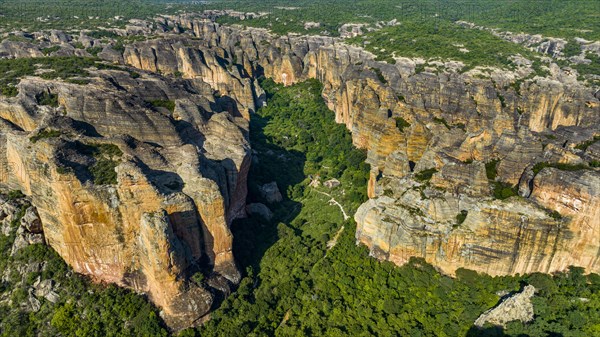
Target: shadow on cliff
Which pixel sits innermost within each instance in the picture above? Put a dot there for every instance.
(254, 235)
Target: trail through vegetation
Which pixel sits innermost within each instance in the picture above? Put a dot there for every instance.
(333, 201)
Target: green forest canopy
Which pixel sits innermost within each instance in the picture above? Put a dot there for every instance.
(548, 17)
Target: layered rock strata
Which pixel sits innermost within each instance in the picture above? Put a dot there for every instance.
(448, 150)
(136, 180)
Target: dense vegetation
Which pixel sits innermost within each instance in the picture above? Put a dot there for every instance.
(561, 166)
(104, 158)
(295, 120)
(591, 68)
(583, 146)
(442, 40)
(47, 98)
(500, 190)
(45, 134)
(169, 105)
(13, 70)
(40, 14)
(296, 286)
(401, 124)
(546, 17)
(82, 309)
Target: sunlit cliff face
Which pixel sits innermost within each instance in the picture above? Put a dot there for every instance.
(180, 181)
(181, 174)
(456, 125)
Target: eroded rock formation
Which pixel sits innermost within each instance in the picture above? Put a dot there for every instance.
(447, 150)
(128, 190)
(515, 307)
(444, 148)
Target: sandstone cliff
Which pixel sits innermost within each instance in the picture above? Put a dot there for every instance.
(136, 180)
(479, 140)
(130, 190)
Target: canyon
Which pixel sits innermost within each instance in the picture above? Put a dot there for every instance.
(442, 145)
(457, 124)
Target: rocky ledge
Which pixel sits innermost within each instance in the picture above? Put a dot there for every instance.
(136, 179)
(497, 174)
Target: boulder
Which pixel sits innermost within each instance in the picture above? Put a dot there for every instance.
(32, 304)
(332, 183)
(21, 241)
(515, 308)
(270, 192)
(31, 221)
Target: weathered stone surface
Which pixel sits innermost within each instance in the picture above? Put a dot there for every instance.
(413, 221)
(16, 49)
(332, 183)
(180, 181)
(193, 61)
(31, 221)
(28, 231)
(32, 304)
(45, 289)
(260, 209)
(517, 307)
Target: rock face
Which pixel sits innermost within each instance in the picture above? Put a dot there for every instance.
(261, 210)
(136, 180)
(271, 192)
(516, 307)
(27, 231)
(191, 60)
(457, 124)
(16, 49)
(21, 225)
(446, 150)
(128, 191)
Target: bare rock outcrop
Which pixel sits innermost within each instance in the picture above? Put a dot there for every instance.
(447, 150)
(261, 210)
(517, 307)
(270, 192)
(128, 191)
(191, 60)
(19, 218)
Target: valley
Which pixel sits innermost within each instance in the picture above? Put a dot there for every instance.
(187, 173)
